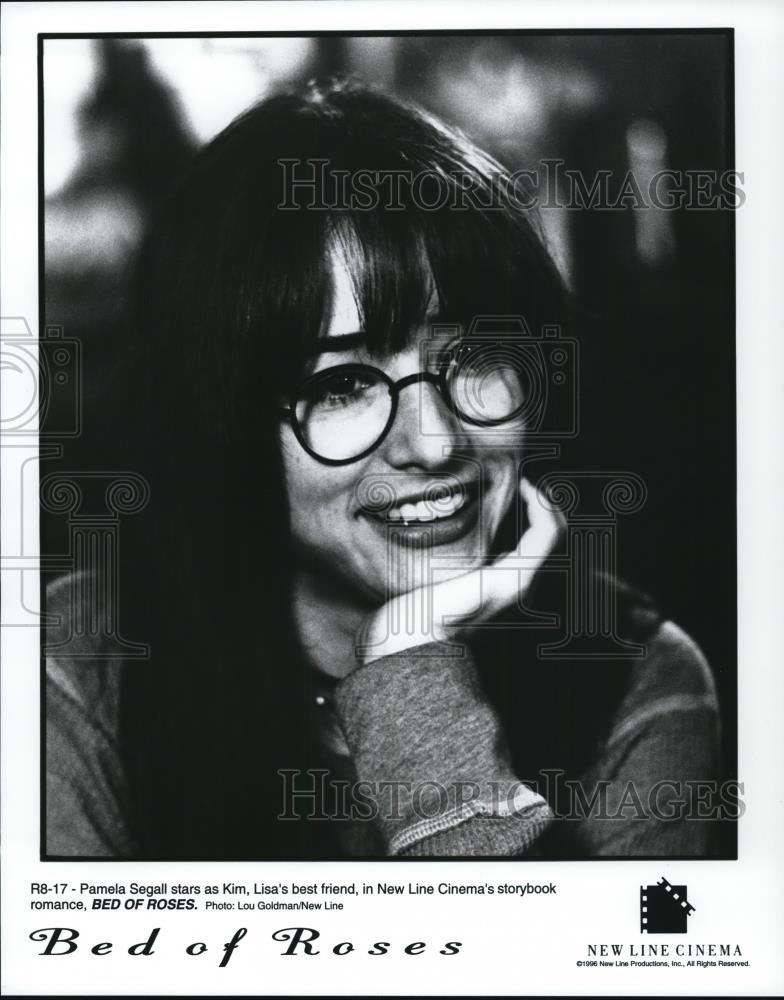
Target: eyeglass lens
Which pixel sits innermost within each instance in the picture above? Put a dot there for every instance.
(343, 412)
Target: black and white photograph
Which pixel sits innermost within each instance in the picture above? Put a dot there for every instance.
(390, 546)
(405, 518)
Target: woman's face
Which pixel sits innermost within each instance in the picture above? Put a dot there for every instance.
(340, 530)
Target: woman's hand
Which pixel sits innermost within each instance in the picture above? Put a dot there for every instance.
(433, 613)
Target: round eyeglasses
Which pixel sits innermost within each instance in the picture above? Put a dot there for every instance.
(341, 414)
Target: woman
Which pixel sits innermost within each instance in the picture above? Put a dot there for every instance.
(334, 443)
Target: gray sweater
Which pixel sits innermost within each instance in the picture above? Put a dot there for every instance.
(426, 744)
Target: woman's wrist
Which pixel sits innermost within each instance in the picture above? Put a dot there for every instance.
(429, 751)
(385, 634)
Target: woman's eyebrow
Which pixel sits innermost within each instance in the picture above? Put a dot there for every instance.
(349, 341)
(340, 342)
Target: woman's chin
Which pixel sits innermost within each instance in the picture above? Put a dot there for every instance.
(419, 563)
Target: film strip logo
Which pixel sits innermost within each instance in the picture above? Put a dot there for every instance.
(664, 908)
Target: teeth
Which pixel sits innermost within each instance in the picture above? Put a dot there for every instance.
(410, 511)
(424, 511)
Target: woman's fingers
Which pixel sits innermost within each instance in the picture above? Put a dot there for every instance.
(542, 516)
(546, 523)
(511, 574)
(483, 592)
(431, 612)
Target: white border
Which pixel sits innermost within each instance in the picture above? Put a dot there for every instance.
(512, 949)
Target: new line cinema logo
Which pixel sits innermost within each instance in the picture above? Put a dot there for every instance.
(664, 908)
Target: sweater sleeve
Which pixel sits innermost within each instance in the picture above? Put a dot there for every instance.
(87, 810)
(652, 788)
(86, 798)
(429, 748)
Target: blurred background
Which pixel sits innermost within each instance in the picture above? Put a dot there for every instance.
(655, 289)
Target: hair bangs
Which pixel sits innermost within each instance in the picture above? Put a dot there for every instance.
(477, 254)
(386, 257)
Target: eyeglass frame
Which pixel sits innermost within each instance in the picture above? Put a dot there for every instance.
(441, 380)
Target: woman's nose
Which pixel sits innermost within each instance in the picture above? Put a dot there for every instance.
(423, 432)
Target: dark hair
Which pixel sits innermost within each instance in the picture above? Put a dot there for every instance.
(232, 291)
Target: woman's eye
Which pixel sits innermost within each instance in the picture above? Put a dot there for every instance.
(340, 390)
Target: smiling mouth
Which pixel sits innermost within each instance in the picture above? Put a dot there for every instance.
(428, 509)
(441, 517)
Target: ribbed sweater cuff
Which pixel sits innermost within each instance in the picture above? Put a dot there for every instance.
(429, 746)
